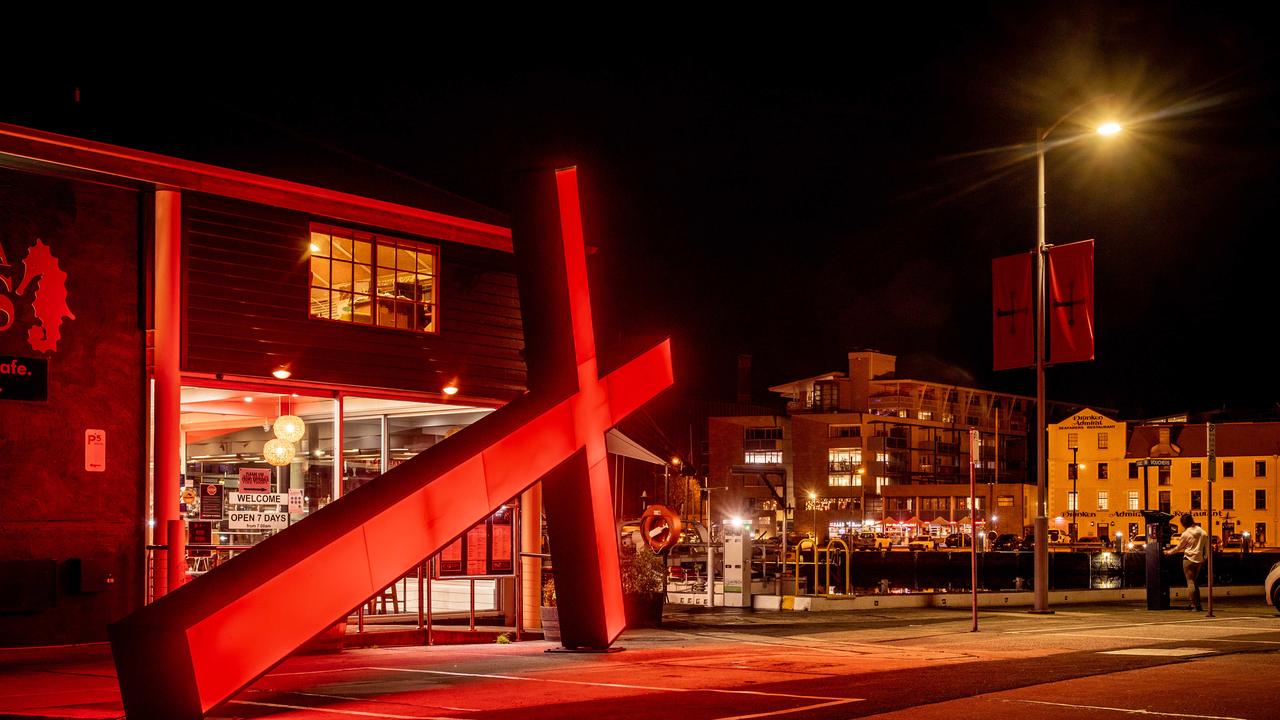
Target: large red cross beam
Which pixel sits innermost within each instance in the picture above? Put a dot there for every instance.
(198, 646)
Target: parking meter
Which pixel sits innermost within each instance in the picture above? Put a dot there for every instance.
(1157, 537)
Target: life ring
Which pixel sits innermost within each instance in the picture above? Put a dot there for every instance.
(660, 527)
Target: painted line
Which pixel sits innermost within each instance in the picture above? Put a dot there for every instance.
(1160, 652)
(1165, 639)
(621, 686)
(318, 672)
(365, 699)
(1129, 711)
(358, 713)
(1125, 625)
(789, 710)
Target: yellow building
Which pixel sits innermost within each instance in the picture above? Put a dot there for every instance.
(1110, 491)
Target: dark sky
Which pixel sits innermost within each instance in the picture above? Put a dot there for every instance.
(795, 188)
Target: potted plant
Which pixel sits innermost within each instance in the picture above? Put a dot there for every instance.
(643, 592)
(549, 614)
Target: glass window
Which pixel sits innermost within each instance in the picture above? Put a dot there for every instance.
(1166, 500)
(1195, 469)
(1228, 500)
(1260, 499)
(1133, 471)
(1071, 501)
(762, 457)
(843, 465)
(844, 431)
(1260, 468)
(1195, 499)
(369, 279)
(1102, 471)
(1102, 500)
(1004, 501)
(1102, 441)
(1228, 469)
(1073, 440)
(1134, 500)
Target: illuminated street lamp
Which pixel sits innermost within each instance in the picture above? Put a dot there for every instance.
(1042, 456)
(813, 498)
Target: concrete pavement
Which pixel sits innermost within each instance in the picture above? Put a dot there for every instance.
(1087, 661)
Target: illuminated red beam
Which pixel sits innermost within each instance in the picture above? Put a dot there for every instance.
(198, 646)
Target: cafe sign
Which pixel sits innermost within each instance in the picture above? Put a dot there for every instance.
(24, 378)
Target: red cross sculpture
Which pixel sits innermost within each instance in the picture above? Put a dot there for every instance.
(196, 647)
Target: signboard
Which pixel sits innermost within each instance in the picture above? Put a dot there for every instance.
(188, 496)
(264, 498)
(199, 532)
(487, 549)
(95, 450)
(297, 502)
(24, 378)
(210, 501)
(255, 520)
(1087, 420)
(1154, 462)
(255, 480)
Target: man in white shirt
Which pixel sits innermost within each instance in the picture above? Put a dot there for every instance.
(1194, 547)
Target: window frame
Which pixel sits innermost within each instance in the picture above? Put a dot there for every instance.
(376, 241)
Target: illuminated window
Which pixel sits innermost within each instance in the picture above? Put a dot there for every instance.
(1133, 501)
(1073, 440)
(1102, 441)
(1103, 501)
(763, 457)
(1004, 501)
(369, 279)
(842, 467)
(1071, 501)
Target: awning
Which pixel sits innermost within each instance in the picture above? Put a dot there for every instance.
(620, 444)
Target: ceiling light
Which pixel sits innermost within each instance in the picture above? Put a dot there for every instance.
(282, 372)
(450, 389)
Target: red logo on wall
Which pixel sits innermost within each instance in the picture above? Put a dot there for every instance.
(46, 282)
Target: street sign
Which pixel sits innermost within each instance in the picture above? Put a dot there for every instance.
(95, 450)
(1154, 462)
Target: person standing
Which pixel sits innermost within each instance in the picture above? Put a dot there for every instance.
(1194, 547)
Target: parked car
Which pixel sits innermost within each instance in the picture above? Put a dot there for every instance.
(1271, 586)
(1008, 541)
(874, 541)
(1234, 540)
(1137, 543)
(922, 542)
(958, 540)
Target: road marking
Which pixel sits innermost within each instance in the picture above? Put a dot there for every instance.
(1129, 711)
(318, 672)
(622, 686)
(1159, 652)
(788, 710)
(359, 713)
(1143, 624)
(1165, 639)
(365, 699)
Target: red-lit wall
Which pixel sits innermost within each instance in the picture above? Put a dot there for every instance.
(55, 517)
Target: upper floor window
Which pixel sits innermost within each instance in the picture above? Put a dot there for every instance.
(1103, 441)
(369, 279)
(1259, 468)
(844, 431)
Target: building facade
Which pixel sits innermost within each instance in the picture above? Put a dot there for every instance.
(170, 329)
(1111, 483)
(866, 448)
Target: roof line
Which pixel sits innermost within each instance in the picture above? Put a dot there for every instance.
(163, 172)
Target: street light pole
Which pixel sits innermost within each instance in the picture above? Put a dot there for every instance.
(1075, 496)
(1041, 526)
(1042, 451)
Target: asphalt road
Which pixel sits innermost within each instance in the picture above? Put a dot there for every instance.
(1087, 661)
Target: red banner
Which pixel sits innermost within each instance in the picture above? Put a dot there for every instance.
(1012, 329)
(1071, 302)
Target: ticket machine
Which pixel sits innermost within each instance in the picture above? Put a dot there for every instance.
(737, 564)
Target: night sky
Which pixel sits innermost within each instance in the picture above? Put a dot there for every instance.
(795, 188)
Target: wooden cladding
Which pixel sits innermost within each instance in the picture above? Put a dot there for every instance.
(246, 311)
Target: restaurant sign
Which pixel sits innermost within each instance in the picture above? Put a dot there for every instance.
(24, 378)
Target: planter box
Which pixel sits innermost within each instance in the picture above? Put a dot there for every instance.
(644, 610)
